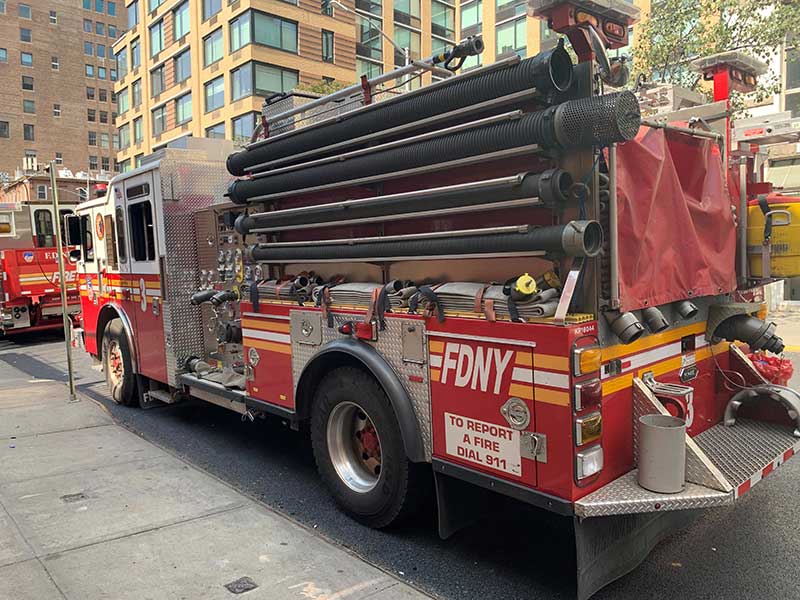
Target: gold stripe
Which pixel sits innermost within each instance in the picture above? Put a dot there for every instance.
(552, 397)
(652, 341)
(435, 374)
(271, 346)
(522, 391)
(265, 325)
(436, 346)
(549, 361)
(523, 358)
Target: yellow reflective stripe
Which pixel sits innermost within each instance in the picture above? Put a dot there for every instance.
(651, 341)
(552, 397)
(551, 362)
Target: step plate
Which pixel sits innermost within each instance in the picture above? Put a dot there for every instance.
(748, 451)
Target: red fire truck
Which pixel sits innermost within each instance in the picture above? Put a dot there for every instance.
(30, 297)
(487, 282)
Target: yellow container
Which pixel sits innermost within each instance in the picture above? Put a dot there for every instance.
(785, 253)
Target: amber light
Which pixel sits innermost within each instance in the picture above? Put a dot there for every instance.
(587, 360)
(583, 17)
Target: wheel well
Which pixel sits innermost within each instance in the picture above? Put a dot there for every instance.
(107, 314)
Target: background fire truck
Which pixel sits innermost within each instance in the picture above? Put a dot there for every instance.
(30, 290)
(481, 285)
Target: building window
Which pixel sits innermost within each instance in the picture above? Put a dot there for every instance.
(105, 164)
(24, 11)
(2, 7)
(405, 38)
(28, 133)
(243, 127)
(26, 58)
(407, 12)
(56, 110)
(28, 106)
(102, 94)
(41, 192)
(59, 158)
(92, 139)
(182, 66)
(133, 14)
(25, 35)
(136, 93)
(87, 26)
(123, 101)
(275, 32)
(104, 116)
(115, 141)
(157, 80)
(88, 48)
(183, 109)
(53, 17)
(370, 69)
(101, 51)
(159, 120)
(210, 8)
(327, 46)
(93, 163)
(3, 55)
(91, 115)
(5, 130)
(511, 37)
(54, 63)
(90, 93)
(27, 83)
(212, 47)
(112, 31)
(98, 6)
(180, 21)
(215, 93)
(104, 140)
(122, 62)
(138, 131)
(240, 31)
(112, 8)
(443, 20)
(136, 54)
(101, 73)
(242, 82)
(216, 131)
(156, 38)
(100, 28)
(262, 79)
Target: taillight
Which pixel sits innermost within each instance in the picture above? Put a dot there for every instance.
(587, 417)
(587, 393)
(588, 462)
(586, 360)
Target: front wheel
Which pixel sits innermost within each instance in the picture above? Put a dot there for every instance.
(359, 451)
(118, 364)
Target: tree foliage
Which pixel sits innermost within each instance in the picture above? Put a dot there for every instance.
(322, 87)
(678, 31)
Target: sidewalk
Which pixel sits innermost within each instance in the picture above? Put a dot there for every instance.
(90, 511)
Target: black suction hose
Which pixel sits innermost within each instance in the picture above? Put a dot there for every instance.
(202, 296)
(576, 238)
(548, 71)
(600, 120)
(550, 186)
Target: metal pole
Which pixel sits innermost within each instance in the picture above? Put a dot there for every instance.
(62, 281)
(741, 233)
(613, 225)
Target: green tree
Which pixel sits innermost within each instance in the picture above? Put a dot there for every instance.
(678, 31)
(322, 87)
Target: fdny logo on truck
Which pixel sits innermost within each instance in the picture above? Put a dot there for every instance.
(27, 257)
(475, 368)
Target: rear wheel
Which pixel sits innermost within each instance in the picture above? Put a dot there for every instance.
(359, 451)
(118, 364)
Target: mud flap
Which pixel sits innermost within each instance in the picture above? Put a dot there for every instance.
(606, 548)
(458, 503)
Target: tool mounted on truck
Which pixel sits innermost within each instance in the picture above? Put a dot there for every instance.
(490, 278)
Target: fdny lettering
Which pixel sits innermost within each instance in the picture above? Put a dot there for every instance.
(68, 276)
(475, 367)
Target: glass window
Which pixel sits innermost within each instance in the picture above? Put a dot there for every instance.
(105, 163)
(159, 120)
(104, 138)
(90, 93)
(92, 163)
(103, 94)
(28, 133)
(216, 131)
(182, 66)
(133, 14)
(154, 4)
(53, 17)
(87, 4)
(242, 82)
(511, 37)
(271, 79)
(143, 243)
(88, 48)
(28, 106)
(87, 245)
(115, 141)
(138, 131)
(59, 158)
(136, 93)
(43, 226)
(240, 31)
(104, 116)
(180, 20)
(101, 72)
(101, 51)
(443, 19)
(112, 8)
(407, 7)
(212, 47)
(370, 69)
(91, 115)
(405, 38)
(112, 31)
(56, 110)
(26, 58)
(124, 136)
(123, 101)
(92, 139)
(369, 43)
(156, 38)
(89, 70)
(215, 93)
(3, 55)
(24, 11)
(793, 104)
(87, 25)
(99, 5)
(27, 83)
(183, 109)
(25, 35)
(243, 127)
(5, 130)
(122, 62)
(792, 68)
(327, 46)
(100, 28)
(136, 54)
(210, 8)
(157, 80)
(54, 64)
(275, 32)
(112, 74)
(120, 231)
(41, 192)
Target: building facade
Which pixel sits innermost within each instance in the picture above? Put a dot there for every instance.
(57, 75)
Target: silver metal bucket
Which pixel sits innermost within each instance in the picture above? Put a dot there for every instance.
(662, 453)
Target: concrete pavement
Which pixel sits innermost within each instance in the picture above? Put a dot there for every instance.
(91, 511)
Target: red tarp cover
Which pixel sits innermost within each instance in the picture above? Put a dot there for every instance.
(677, 237)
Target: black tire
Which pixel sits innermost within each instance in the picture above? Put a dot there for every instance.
(398, 490)
(121, 388)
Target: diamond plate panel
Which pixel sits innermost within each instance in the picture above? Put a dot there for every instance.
(189, 183)
(624, 496)
(390, 347)
(743, 450)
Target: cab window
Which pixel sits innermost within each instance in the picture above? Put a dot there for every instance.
(43, 228)
(6, 224)
(143, 241)
(87, 239)
(62, 219)
(120, 231)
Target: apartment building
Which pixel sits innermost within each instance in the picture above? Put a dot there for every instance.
(203, 67)
(57, 75)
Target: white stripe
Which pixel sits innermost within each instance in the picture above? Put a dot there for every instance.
(154, 292)
(700, 341)
(557, 380)
(645, 358)
(266, 335)
(436, 360)
(26, 293)
(49, 290)
(259, 315)
(522, 375)
(756, 478)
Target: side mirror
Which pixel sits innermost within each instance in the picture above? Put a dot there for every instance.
(74, 256)
(72, 228)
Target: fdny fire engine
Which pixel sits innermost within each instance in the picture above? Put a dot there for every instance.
(503, 282)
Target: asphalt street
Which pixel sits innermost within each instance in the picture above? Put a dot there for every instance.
(745, 551)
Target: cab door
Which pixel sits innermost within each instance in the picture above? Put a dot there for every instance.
(140, 274)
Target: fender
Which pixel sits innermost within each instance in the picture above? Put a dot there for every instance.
(116, 311)
(369, 358)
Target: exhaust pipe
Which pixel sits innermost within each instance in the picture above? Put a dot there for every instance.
(624, 325)
(757, 334)
(655, 319)
(686, 309)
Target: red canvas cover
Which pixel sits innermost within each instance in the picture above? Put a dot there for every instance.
(677, 236)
